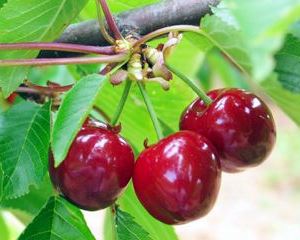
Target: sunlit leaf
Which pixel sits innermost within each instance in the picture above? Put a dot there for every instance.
(29, 21)
(58, 220)
(265, 33)
(33, 201)
(3, 228)
(24, 141)
(73, 111)
(288, 64)
(228, 39)
(287, 100)
(125, 226)
(157, 230)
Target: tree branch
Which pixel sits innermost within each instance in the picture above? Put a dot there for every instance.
(138, 21)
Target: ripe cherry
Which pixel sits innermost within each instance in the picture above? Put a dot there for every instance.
(238, 123)
(178, 179)
(97, 168)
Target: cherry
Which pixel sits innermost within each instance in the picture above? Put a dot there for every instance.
(178, 179)
(238, 123)
(97, 168)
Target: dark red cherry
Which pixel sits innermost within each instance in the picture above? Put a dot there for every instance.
(238, 123)
(178, 179)
(96, 170)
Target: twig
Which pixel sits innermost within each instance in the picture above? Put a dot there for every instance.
(140, 22)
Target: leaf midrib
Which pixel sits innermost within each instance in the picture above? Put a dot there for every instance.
(21, 150)
(53, 20)
(133, 233)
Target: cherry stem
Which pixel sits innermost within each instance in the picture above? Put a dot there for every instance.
(103, 30)
(64, 61)
(102, 113)
(113, 210)
(151, 111)
(186, 28)
(206, 99)
(122, 102)
(65, 47)
(110, 20)
(166, 30)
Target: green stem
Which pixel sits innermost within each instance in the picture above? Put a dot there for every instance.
(122, 102)
(151, 111)
(186, 28)
(206, 99)
(113, 221)
(163, 31)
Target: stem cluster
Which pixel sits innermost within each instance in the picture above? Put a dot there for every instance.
(108, 55)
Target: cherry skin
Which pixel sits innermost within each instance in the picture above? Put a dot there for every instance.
(238, 123)
(96, 170)
(178, 179)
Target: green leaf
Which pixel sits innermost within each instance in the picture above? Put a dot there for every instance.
(32, 202)
(156, 229)
(24, 145)
(10, 227)
(73, 111)
(265, 33)
(288, 64)
(115, 6)
(2, 3)
(56, 74)
(136, 123)
(288, 101)
(205, 76)
(58, 220)
(31, 21)
(4, 105)
(125, 227)
(226, 72)
(295, 29)
(228, 39)
(201, 42)
(81, 70)
(3, 228)
(259, 38)
(167, 130)
(124, 4)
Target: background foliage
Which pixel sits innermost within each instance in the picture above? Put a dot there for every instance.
(242, 50)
